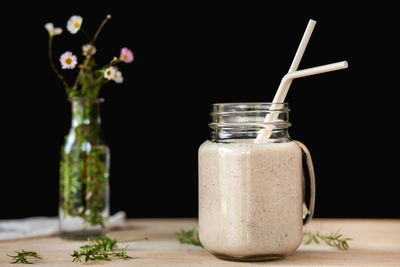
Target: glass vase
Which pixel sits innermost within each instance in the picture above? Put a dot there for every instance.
(84, 174)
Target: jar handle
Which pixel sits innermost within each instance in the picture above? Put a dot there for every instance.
(307, 163)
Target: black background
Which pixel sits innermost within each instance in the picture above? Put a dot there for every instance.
(187, 57)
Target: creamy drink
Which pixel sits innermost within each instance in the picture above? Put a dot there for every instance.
(250, 194)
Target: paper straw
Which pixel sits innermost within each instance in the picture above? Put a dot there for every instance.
(281, 93)
(301, 49)
(302, 45)
(264, 134)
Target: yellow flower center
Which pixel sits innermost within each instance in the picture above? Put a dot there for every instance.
(76, 25)
(68, 61)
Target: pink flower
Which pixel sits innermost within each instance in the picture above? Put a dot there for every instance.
(126, 55)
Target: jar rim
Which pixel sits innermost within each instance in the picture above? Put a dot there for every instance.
(248, 115)
(234, 107)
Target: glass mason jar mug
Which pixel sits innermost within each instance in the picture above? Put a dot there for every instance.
(251, 195)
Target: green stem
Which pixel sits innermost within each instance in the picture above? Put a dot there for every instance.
(100, 28)
(67, 189)
(53, 67)
(113, 62)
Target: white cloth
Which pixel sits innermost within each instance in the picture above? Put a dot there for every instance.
(43, 226)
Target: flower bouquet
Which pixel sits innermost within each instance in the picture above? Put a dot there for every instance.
(85, 156)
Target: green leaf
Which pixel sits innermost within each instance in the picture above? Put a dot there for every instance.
(22, 257)
(333, 239)
(189, 237)
(103, 248)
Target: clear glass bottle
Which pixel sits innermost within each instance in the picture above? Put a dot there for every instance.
(84, 174)
(251, 195)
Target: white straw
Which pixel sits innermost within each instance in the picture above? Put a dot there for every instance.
(264, 134)
(281, 93)
(301, 49)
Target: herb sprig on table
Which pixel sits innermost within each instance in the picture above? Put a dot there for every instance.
(103, 248)
(337, 240)
(189, 237)
(21, 257)
(334, 239)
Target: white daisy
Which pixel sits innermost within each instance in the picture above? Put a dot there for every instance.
(88, 49)
(68, 60)
(74, 24)
(109, 73)
(118, 77)
(52, 31)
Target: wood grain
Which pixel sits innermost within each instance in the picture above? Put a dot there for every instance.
(376, 243)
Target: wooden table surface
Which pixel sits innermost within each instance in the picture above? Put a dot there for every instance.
(376, 243)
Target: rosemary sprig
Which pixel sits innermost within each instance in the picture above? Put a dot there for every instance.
(333, 239)
(189, 237)
(103, 248)
(22, 257)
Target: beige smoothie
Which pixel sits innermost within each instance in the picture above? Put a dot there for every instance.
(250, 198)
